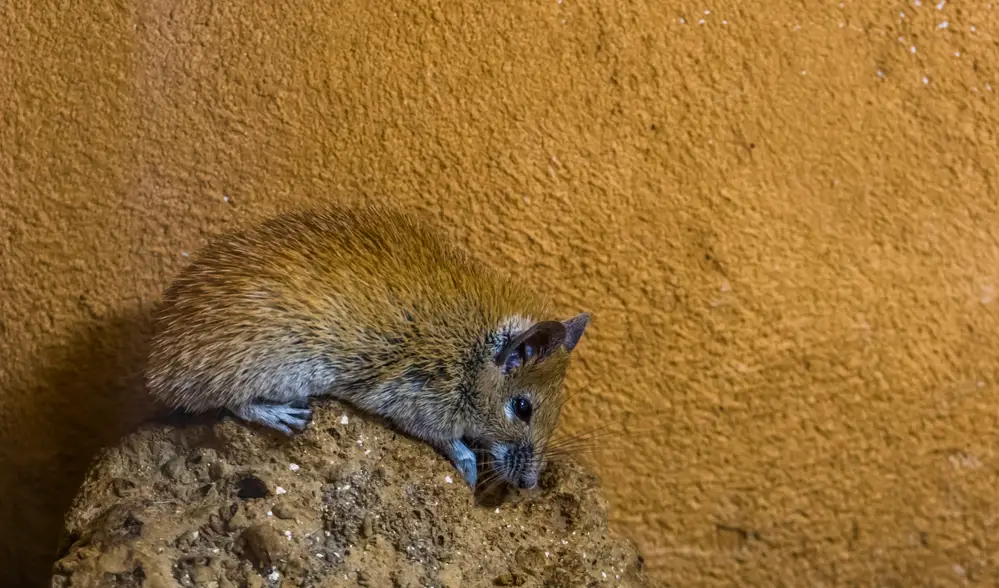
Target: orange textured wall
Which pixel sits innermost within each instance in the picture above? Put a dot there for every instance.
(783, 216)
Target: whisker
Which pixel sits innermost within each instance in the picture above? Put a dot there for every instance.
(574, 451)
(623, 423)
(574, 393)
(581, 438)
(582, 434)
(491, 481)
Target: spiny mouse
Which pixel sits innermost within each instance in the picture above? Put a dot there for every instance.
(370, 306)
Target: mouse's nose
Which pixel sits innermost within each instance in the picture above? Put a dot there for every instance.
(528, 482)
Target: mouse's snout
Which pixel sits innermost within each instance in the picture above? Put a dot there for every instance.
(518, 464)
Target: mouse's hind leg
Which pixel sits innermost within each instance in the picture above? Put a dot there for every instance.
(280, 394)
(287, 418)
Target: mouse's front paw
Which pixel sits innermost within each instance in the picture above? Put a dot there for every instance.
(464, 459)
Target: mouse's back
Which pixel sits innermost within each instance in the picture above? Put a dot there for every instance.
(337, 296)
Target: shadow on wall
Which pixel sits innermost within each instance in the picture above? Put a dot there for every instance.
(87, 396)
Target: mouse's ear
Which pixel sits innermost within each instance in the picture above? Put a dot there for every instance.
(536, 343)
(574, 329)
(541, 339)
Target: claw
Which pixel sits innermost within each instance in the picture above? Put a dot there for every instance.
(281, 417)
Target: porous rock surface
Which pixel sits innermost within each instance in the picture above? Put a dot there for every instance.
(348, 503)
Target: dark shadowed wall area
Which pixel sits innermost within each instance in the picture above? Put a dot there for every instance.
(783, 216)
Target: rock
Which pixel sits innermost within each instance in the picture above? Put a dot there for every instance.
(176, 469)
(264, 545)
(380, 518)
(218, 470)
(509, 579)
(203, 575)
(530, 559)
(237, 519)
(450, 577)
(285, 511)
(368, 526)
(363, 579)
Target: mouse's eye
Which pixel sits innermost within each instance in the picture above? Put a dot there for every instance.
(522, 409)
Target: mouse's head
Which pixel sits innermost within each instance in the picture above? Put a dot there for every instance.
(522, 389)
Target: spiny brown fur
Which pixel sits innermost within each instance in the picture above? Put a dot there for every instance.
(366, 304)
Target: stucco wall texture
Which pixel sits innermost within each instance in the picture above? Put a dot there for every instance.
(783, 216)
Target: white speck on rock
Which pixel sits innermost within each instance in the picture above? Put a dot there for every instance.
(918, 3)
(881, 74)
(274, 576)
(959, 570)
(700, 21)
(497, 511)
(941, 4)
(957, 54)
(293, 467)
(926, 80)
(943, 25)
(683, 20)
(288, 535)
(449, 479)
(901, 15)
(367, 452)
(707, 12)
(973, 29)
(912, 49)
(280, 490)
(270, 513)
(804, 73)
(184, 253)
(344, 420)
(988, 87)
